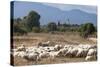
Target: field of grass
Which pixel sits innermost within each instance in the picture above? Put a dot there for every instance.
(64, 38)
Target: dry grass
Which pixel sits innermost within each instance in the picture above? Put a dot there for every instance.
(66, 38)
(20, 61)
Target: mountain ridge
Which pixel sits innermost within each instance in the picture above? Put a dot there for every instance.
(53, 14)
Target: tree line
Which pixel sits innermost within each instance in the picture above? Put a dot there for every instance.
(31, 23)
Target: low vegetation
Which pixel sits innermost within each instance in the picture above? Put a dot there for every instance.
(30, 23)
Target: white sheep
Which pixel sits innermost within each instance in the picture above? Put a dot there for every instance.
(21, 48)
(93, 47)
(44, 44)
(68, 53)
(92, 52)
(62, 51)
(57, 47)
(66, 46)
(74, 52)
(49, 49)
(43, 54)
(82, 52)
(32, 56)
(53, 55)
(21, 54)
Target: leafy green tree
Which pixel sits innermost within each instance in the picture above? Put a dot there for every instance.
(32, 20)
(87, 29)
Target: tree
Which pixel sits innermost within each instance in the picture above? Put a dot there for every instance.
(87, 29)
(19, 28)
(32, 20)
(18, 20)
(52, 26)
(58, 23)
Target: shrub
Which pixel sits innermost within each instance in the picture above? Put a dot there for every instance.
(36, 29)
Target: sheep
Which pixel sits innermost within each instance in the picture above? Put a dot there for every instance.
(21, 54)
(30, 50)
(43, 51)
(66, 46)
(32, 56)
(21, 48)
(93, 47)
(43, 54)
(68, 53)
(62, 51)
(51, 49)
(57, 47)
(53, 55)
(44, 44)
(82, 52)
(87, 46)
(92, 52)
(16, 52)
(74, 52)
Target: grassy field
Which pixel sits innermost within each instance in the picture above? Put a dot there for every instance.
(64, 38)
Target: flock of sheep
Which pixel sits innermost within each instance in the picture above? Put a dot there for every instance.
(36, 53)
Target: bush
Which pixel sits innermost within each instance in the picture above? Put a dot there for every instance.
(52, 26)
(62, 29)
(87, 29)
(36, 29)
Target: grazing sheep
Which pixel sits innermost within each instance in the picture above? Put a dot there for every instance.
(93, 47)
(68, 53)
(81, 52)
(51, 49)
(21, 54)
(35, 53)
(74, 52)
(87, 46)
(66, 46)
(32, 56)
(57, 47)
(62, 51)
(53, 55)
(92, 52)
(44, 44)
(43, 54)
(21, 48)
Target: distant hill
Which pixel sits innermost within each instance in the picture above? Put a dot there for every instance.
(49, 14)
